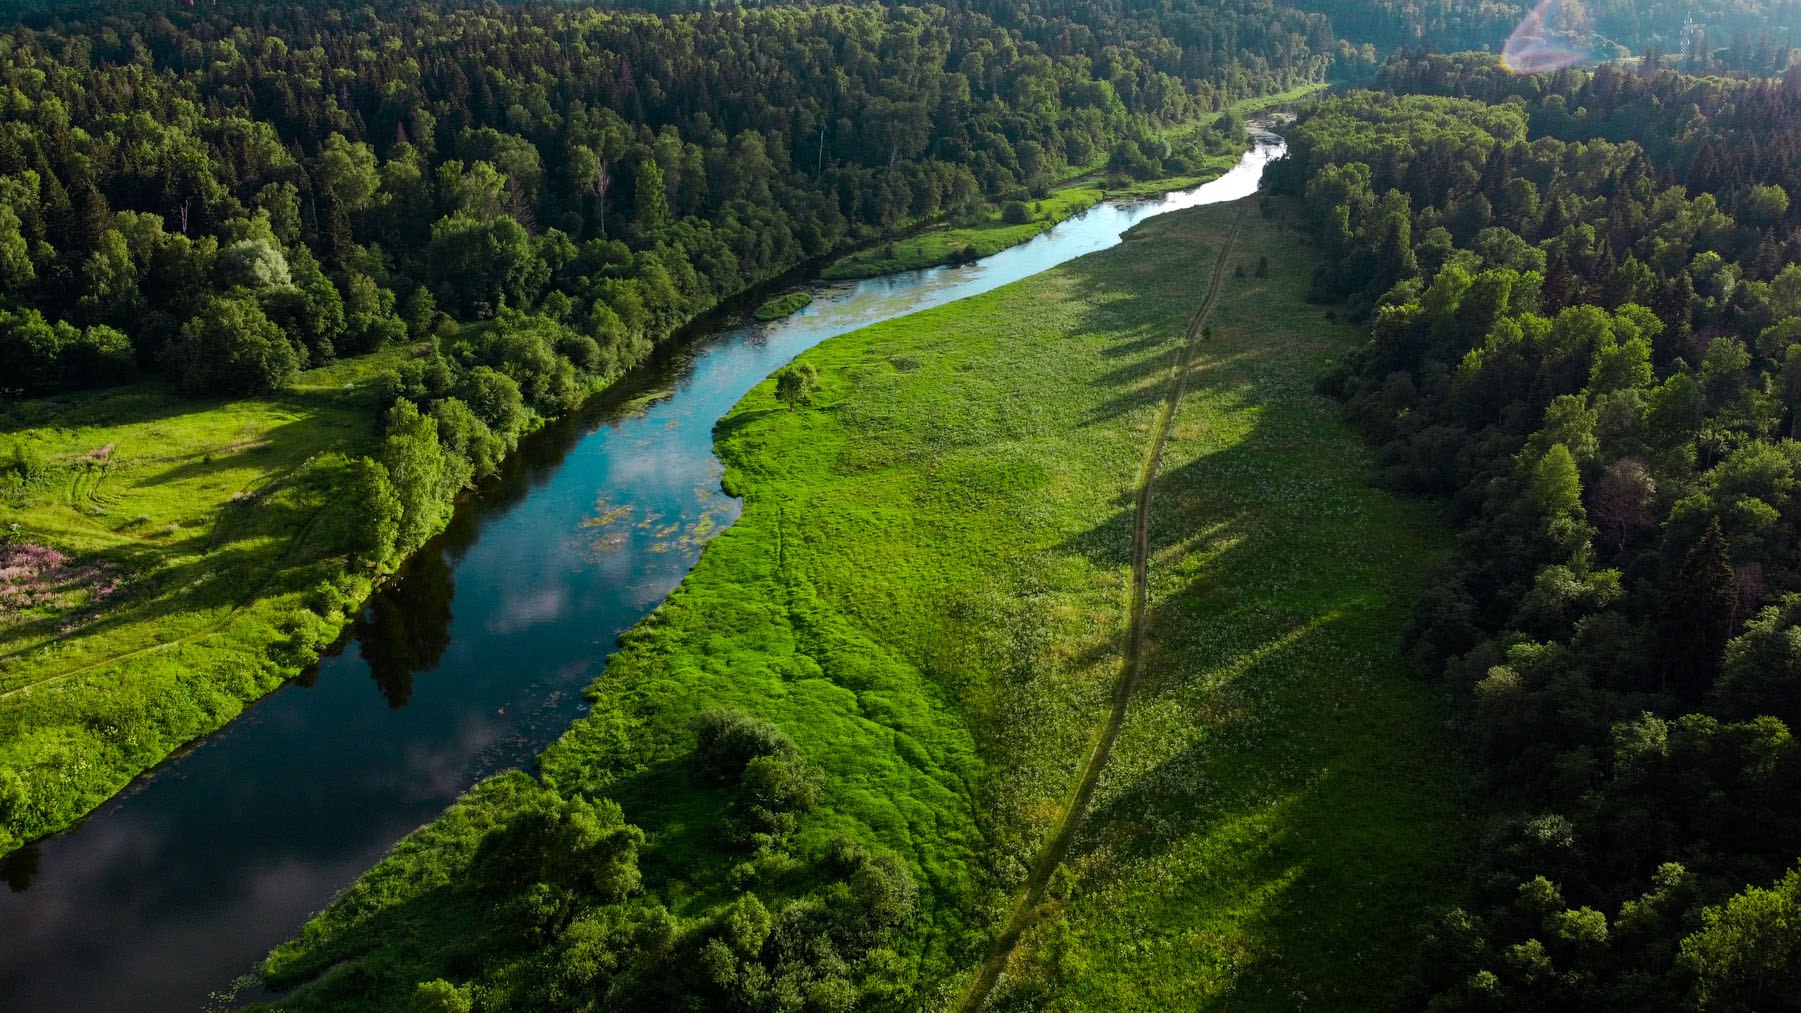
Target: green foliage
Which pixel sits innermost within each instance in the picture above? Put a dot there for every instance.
(423, 478)
(1699, 614)
(37, 356)
(795, 385)
(253, 263)
(1747, 953)
(231, 347)
(728, 740)
(440, 996)
(375, 512)
(258, 170)
(851, 728)
(1592, 366)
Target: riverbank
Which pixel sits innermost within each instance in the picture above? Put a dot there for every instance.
(992, 233)
(994, 229)
(178, 559)
(590, 524)
(925, 594)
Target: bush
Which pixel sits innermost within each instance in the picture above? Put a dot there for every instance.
(796, 384)
(13, 796)
(1015, 213)
(25, 461)
(730, 739)
(100, 357)
(37, 355)
(440, 996)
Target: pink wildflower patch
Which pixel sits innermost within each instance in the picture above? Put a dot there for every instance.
(39, 577)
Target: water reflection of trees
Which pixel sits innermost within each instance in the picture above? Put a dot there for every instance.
(406, 627)
(21, 867)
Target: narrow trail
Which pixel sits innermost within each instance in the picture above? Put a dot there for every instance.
(1031, 896)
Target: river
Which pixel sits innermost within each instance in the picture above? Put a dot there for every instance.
(471, 663)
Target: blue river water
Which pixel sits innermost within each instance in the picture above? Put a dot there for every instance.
(469, 664)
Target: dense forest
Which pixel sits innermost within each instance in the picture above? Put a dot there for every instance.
(1748, 36)
(1583, 292)
(1587, 345)
(230, 193)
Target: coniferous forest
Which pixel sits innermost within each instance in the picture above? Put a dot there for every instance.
(1383, 591)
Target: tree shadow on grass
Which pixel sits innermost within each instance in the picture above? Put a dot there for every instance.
(1280, 778)
(203, 583)
(282, 447)
(1303, 833)
(739, 420)
(1280, 807)
(156, 400)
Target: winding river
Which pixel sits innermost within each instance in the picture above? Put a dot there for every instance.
(469, 664)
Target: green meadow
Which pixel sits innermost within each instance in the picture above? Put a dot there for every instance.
(1280, 805)
(166, 562)
(927, 593)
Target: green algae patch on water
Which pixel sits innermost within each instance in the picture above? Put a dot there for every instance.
(783, 305)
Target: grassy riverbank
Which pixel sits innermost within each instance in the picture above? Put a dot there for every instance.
(926, 595)
(166, 561)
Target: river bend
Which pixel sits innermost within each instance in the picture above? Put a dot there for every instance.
(471, 663)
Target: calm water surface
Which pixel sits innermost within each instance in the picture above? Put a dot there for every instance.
(470, 664)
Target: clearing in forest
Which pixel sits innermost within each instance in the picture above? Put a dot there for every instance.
(164, 561)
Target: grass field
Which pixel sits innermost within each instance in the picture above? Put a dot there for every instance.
(927, 592)
(1279, 806)
(166, 562)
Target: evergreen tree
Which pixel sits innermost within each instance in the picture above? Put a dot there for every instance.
(1698, 615)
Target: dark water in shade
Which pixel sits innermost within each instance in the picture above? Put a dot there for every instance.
(470, 664)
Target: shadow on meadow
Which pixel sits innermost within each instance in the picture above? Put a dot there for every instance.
(1269, 777)
(1279, 810)
(224, 578)
(152, 401)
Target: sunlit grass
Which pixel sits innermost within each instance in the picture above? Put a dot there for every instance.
(1280, 806)
(927, 590)
(213, 522)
